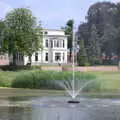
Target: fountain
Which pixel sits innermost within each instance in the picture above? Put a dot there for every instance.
(77, 88)
(70, 86)
(72, 92)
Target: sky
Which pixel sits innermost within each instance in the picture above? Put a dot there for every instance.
(52, 13)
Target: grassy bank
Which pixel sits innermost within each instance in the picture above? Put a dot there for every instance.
(37, 79)
(19, 92)
(51, 80)
(110, 81)
(103, 81)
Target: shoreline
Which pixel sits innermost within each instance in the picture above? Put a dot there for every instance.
(21, 92)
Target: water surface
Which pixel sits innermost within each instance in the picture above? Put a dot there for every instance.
(57, 108)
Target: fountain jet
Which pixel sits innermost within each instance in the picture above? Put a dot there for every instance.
(73, 87)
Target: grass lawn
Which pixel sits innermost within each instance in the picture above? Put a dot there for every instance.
(110, 81)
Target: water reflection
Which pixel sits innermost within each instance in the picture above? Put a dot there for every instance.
(59, 114)
(14, 113)
(49, 108)
(73, 114)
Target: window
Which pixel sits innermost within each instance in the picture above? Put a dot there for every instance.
(63, 56)
(36, 56)
(57, 56)
(57, 43)
(46, 33)
(46, 57)
(41, 33)
(22, 58)
(51, 42)
(63, 44)
(46, 43)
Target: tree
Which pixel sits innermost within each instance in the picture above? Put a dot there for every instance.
(94, 47)
(69, 32)
(105, 17)
(2, 27)
(22, 34)
(102, 15)
(82, 58)
(108, 40)
(117, 26)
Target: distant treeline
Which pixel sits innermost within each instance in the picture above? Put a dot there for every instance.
(101, 32)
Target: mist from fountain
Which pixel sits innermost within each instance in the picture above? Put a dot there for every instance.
(74, 87)
(78, 86)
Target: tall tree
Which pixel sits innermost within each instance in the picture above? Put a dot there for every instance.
(100, 14)
(82, 58)
(83, 32)
(117, 25)
(94, 47)
(2, 27)
(69, 32)
(22, 34)
(105, 17)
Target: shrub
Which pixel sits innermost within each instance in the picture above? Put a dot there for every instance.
(50, 79)
(18, 67)
(7, 77)
(95, 86)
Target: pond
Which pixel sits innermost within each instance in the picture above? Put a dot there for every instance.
(55, 107)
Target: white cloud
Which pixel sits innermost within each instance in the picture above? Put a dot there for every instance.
(4, 8)
(116, 1)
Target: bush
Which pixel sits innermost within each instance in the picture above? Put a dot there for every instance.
(7, 77)
(18, 67)
(49, 79)
(93, 87)
(32, 79)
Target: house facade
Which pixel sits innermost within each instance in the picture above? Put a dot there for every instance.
(54, 49)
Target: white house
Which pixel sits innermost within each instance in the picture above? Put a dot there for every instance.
(54, 49)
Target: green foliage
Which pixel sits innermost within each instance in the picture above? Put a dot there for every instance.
(21, 33)
(69, 32)
(82, 59)
(18, 68)
(6, 78)
(47, 79)
(94, 50)
(102, 81)
(2, 27)
(101, 32)
(93, 87)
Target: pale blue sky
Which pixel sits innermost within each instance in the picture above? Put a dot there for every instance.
(52, 13)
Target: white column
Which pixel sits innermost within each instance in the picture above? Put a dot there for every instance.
(65, 57)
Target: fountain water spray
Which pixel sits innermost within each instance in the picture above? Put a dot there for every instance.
(71, 87)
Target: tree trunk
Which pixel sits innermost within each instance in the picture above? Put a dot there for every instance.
(70, 55)
(30, 60)
(14, 58)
